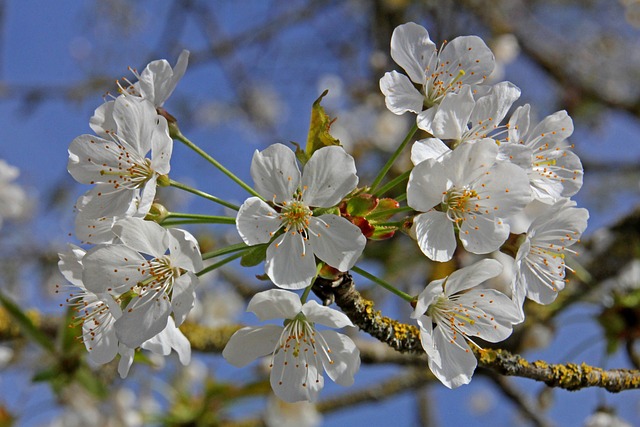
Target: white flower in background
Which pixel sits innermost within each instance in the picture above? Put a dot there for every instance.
(98, 314)
(291, 414)
(140, 270)
(554, 170)
(605, 417)
(299, 352)
(461, 314)
(155, 84)
(125, 179)
(464, 61)
(13, 199)
(328, 176)
(468, 191)
(540, 265)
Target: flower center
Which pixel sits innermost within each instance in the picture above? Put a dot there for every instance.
(457, 203)
(295, 216)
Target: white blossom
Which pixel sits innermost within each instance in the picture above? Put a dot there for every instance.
(299, 352)
(555, 172)
(140, 272)
(461, 314)
(540, 261)
(463, 61)
(125, 179)
(328, 176)
(466, 191)
(155, 84)
(98, 314)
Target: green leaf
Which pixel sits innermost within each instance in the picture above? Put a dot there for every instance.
(29, 329)
(319, 127)
(254, 256)
(361, 204)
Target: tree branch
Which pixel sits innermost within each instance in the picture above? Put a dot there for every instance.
(406, 339)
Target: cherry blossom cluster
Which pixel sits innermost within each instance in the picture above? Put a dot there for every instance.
(481, 181)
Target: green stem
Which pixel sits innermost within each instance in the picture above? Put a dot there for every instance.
(393, 158)
(226, 250)
(215, 199)
(180, 137)
(389, 185)
(401, 197)
(219, 264)
(212, 219)
(384, 284)
(305, 294)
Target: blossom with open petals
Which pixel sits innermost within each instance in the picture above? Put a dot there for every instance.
(125, 179)
(539, 264)
(299, 352)
(461, 314)
(555, 172)
(466, 190)
(140, 272)
(99, 312)
(328, 176)
(155, 84)
(464, 61)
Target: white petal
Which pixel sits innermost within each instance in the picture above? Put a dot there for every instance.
(161, 147)
(328, 176)
(184, 249)
(507, 186)
(290, 263)
(145, 317)
(147, 237)
(296, 378)
(102, 122)
(275, 173)
(433, 291)
(426, 339)
(470, 54)
(101, 341)
(427, 181)
(184, 296)
(471, 160)
(399, 93)
(412, 49)
(126, 360)
(491, 109)
(449, 119)
(257, 221)
(491, 315)
(170, 338)
(430, 148)
(326, 316)
(70, 265)
(472, 275)
(344, 360)
(435, 235)
(249, 343)
(94, 230)
(275, 304)
(136, 120)
(105, 201)
(482, 234)
(158, 80)
(457, 359)
(89, 155)
(111, 268)
(336, 241)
